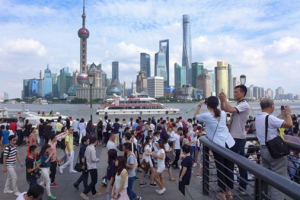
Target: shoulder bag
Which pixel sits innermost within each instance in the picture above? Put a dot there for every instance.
(277, 147)
(78, 166)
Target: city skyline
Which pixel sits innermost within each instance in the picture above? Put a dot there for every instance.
(262, 44)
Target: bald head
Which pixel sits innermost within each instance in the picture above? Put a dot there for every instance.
(266, 103)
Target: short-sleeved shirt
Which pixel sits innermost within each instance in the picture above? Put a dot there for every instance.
(273, 124)
(116, 126)
(69, 138)
(111, 145)
(161, 162)
(20, 125)
(239, 120)
(110, 171)
(11, 153)
(21, 196)
(58, 126)
(193, 136)
(188, 163)
(131, 160)
(147, 157)
(5, 134)
(30, 164)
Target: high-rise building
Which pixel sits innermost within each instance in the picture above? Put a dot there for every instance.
(235, 82)
(180, 76)
(155, 86)
(269, 93)
(256, 92)
(141, 82)
(54, 85)
(187, 47)
(133, 87)
(47, 84)
(75, 74)
(279, 91)
(161, 67)
(115, 71)
(204, 83)
(230, 81)
(221, 77)
(64, 81)
(213, 83)
(145, 64)
(197, 69)
(250, 93)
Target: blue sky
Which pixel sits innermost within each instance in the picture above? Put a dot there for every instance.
(258, 38)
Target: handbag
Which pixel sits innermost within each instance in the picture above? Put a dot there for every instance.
(170, 156)
(78, 166)
(145, 165)
(37, 173)
(277, 147)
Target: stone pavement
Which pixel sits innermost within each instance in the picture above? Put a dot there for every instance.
(66, 191)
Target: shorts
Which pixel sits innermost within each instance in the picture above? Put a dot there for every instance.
(198, 148)
(160, 169)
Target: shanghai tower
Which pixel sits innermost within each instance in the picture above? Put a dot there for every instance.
(187, 47)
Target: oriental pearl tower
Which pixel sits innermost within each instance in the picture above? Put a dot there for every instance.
(83, 34)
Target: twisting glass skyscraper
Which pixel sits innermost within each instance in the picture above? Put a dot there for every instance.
(187, 47)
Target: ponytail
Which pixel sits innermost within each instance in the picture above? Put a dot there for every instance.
(217, 112)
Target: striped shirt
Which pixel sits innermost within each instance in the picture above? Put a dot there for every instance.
(11, 155)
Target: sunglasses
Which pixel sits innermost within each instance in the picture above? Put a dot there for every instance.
(14, 140)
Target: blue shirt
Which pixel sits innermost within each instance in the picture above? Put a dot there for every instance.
(43, 159)
(116, 126)
(5, 136)
(134, 126)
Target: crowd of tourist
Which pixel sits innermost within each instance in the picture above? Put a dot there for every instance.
(149, 146)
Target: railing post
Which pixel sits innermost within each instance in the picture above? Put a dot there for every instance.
(260, 188)
(205, 173)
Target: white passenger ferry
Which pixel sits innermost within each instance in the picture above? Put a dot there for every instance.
(136, 104)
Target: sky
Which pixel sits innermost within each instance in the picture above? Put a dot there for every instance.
(259, 38)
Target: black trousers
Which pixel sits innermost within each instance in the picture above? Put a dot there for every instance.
(20, 137)
(177, 155)
(181, 187)
(53, 166)
(225, 176)
(76, 137)
(83, 178)
(106, 137)
(91, 186)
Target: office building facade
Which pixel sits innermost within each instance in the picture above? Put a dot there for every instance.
(180, 76)
(145, 64)
(221, 77)
(187, 47)
(161, 67)
(115, 71)
(204, 84)
(197, 69)
(155, 86)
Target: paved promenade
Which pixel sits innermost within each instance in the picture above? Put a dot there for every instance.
(66, 191)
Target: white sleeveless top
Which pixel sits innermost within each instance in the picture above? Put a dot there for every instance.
(118, 181)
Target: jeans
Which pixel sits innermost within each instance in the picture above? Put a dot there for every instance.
(108, 196)
(130, 192)
(91, 186)
(192, 152)
(53, 166)
(11, 177)
(41, 140)
(69, 161)
(83, 178)
(239, 148)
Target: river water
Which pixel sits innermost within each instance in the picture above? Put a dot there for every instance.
(83, 111)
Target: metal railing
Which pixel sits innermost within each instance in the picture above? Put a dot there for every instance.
(262, 177)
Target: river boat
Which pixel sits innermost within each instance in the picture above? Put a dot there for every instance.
(136, 104)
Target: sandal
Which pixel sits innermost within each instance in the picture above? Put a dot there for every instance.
(172, 179)
(221, 196)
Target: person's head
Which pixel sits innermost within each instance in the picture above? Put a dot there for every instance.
(33, 150)
(126, 130)
(85, 140)
(12, 139)
(247, 128)
(41, 121)
(128, 136)
(93, 141)
(52, 136)
(20, 119)
(8, 127)
(186, 149)
(35, 192)
(2, 127)
(116, 119)
(112, 155)
(267, 105)
(148, 140)
(81, 120)
(240, 91)
(120, 164)
(146, 126)
(160, 144)
(26, 121)
(150, 133)
(112, 137)
(71, 129)
(194, 127)
(159, 129)
(213, 103)
(180, 131)
(127, 147)
(32, 130)
(44, 149)
(156, 134)
(77, 119)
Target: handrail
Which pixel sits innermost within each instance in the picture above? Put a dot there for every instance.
(282, 184)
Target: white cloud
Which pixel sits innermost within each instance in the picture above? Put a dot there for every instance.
(24, 46)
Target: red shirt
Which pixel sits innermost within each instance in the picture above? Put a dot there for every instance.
(13, 126)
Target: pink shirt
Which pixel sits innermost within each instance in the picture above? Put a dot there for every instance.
(52, 149)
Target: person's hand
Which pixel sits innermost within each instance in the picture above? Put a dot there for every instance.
(115, 196)
(201, 102)
(180, 179)
(69, 154)
(107, 190)
(4, 169)
(38, 165)
(222, 96)
(287, 110)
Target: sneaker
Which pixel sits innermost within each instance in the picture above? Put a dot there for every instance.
(153, 185)
(143, 184)
(8, 191)
(73, 172)
(138, 198)
(51, 197)
(97, 194)
(76, 186)
(60, 170)
(242, 191)
(84, 196)
(53, 185)
(17, 193)
(162, 191)
(195, 165)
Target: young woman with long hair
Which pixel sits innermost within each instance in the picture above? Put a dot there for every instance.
(110, 172)
(160, 156)
(119, 191)
(100, 128)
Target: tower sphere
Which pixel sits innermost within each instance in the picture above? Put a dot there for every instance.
(83, 78)
(83, 33)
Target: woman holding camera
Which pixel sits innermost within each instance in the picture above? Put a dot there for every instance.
(217, 132)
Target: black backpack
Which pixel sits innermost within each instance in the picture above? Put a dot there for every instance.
(2, 154)
(108, 127)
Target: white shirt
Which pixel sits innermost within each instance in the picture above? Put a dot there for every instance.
(149, 148)
(221, 135)
(111, 145)
(175, 137)
(161, 162)
(273, 125)
(152, 127)
(189, 126)
(193, 136)
(21, 196)
(179, 124)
